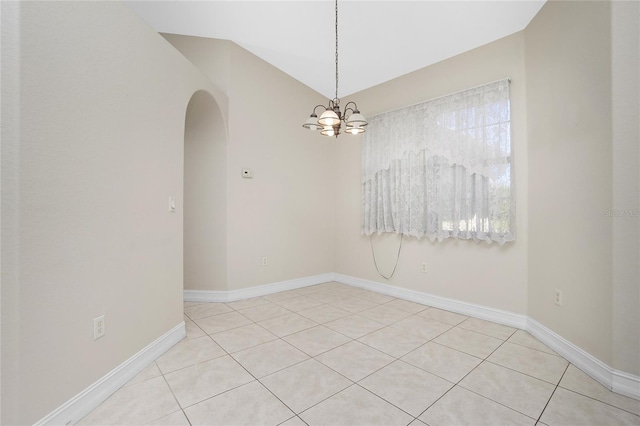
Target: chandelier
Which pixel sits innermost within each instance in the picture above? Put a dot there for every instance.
(332, 119)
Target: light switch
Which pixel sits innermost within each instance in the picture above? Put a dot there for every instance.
(172, 204)
(247, 173)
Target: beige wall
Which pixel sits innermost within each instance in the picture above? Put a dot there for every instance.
(568, 65)
(286, 211)
(211, 56)
(205, 195)
(625, 74)
(479, 273)
(9, 229)
(95, 148)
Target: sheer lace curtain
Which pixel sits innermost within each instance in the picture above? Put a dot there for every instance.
(442, 168)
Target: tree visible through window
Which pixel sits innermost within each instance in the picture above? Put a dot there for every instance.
(442, 168)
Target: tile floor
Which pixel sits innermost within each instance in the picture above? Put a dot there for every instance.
(331, 354)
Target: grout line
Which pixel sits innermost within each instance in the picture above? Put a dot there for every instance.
(276, 371)
(310, 357)
(484, 333)
(387, 353)
(292, 417)
(552, 393)
(460, 350)
(323, 352)
(526, 374)
(323, 400)
(261, 384)
(248, 347)
(435, 402)
(330, 321)
(497, 402)
(479, 364)
(394, 359)
(388, 402)
(536, 349)
(190, 365)
(212, 316)
(444, 378)
(596, 399)
(174, 397)
(457, 384)
(248, 372)
(266, 301)
(482, 360)
(491, 399)
(194, 323)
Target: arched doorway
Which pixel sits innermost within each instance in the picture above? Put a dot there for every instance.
(205, 194)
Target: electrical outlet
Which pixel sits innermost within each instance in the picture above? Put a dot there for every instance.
(557, 297)
(423, 267)
(265, 261)
(98, 327)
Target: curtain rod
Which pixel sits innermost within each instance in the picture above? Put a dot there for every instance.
(442, 96)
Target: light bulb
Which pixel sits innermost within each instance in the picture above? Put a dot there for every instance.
(355, 130)
(328, 131)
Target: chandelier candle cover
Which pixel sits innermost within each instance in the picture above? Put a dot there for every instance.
(332, 118)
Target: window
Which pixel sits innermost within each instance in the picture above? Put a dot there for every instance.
(442, 168)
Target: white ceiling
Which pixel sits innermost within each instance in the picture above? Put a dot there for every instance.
(378, 40)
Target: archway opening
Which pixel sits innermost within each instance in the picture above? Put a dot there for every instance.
(204, 195)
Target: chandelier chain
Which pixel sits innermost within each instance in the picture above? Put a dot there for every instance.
(336, 50)
(332, 118)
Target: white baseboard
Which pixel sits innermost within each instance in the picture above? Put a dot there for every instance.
(261, 290)
(80, 405)
(615, 380)
(625, 384)
(581, 359)
(469, 309)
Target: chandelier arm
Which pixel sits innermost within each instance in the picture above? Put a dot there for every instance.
(354, 104)
(316, 107)
(353, 111)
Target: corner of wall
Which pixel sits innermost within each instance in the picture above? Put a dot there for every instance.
(567, 65)
(625, 69)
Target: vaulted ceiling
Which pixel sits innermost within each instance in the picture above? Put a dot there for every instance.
(378, 40)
